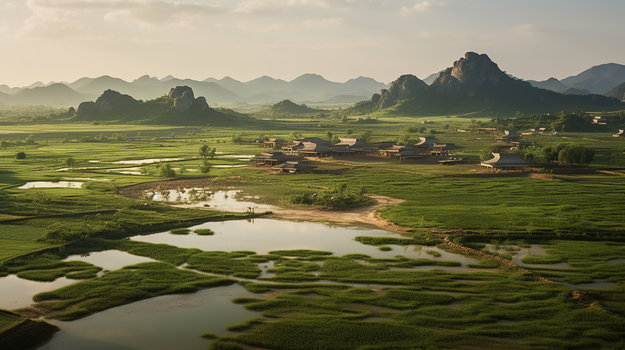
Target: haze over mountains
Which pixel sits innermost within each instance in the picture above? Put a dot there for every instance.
(606, 79)
(476, 83)
(596, 80)
(308, 87)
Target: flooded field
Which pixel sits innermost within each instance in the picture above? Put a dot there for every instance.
(265, 235)
(16, 293)
(140, 161)
(110, 259)
(50, 184)
(202, 197)
(166, 322)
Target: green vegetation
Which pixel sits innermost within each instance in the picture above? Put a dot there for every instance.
(339, 197)
(18, 332)
(120, 287)
(180, 231)
(577, 218)
(204, 232)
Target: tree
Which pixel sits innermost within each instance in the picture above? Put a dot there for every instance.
(20, 155)
(576, 155)
(205, 168)
(165, 170)
(366, 136)
(207, 152)
(486, 154)
(71, 162)
(330, 136)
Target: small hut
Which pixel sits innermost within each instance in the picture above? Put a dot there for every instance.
(273, 143)
(294, 168)
(509, 137)
(506, 161)
(393, 151)
(426, 145)
(358, 146)
(443, 149)
(275, 158)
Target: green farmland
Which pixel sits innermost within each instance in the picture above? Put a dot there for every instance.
(309, 298)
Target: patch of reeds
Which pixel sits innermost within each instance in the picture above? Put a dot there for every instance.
(204, 232)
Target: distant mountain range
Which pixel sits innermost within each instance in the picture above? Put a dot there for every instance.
(596, 80)
(476, 84)
(306, 88)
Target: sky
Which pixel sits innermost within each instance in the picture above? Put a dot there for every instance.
(64, 40)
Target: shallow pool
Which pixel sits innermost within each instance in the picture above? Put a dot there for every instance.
(165, 322)
(110, 259)
(16, 293)
(265, 235)
(204, 198)
(50, 184)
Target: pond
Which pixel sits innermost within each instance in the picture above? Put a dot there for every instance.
(126, 171)
(205, 198)
(265, 235)
(140, 161)
(177, 321)
(165, 322)
(16, 293)
(50, 184)
(109, 259)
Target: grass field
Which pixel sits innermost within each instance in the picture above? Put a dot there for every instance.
(371, 303)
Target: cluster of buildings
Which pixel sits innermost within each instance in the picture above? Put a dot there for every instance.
(291, 156)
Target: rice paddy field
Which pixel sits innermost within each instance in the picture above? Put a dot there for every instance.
(562, 230)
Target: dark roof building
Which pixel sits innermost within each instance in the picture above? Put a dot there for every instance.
(274, 158)
(506, 161)
(509, 137)
(294, 167)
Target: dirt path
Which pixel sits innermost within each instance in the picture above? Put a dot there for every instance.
(365, 214)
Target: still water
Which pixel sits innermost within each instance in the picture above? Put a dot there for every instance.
(165, 322)
(49, 184)
(177, 321)
(16, 293)
(265, 235)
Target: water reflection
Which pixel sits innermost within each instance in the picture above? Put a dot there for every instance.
(110, 259)
(16, 293)
(49, 184)
(165, 322)
(231, 200)
(266, 235)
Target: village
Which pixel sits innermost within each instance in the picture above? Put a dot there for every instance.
(296, 156)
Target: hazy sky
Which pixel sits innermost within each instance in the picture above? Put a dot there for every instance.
(63, 40)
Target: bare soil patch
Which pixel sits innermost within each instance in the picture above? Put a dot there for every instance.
(366, 214)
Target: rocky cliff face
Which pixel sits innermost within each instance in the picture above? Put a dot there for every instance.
(407, 86)
(184, 99)
(110, 101)
(471, 75)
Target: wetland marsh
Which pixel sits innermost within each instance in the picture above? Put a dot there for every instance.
(325, 280)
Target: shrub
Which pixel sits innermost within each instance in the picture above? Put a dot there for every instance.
(180, 231)
(204, 232)
(165, 170)
(20, 155)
